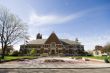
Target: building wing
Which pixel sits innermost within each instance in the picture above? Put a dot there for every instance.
(67, 41)
(37, 41)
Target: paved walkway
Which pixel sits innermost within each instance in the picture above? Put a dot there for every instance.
(40, 63)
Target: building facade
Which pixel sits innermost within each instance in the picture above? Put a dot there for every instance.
(99, 51)
(53, 46)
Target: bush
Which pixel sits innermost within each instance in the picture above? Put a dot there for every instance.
(14, 53)
(33, 52)
(106, 60)
(53, 60)
(44, 54)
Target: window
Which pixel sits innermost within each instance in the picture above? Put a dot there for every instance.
(45, 51)
(38, 51)
(53, 45)
(97, 53)
(60, 51)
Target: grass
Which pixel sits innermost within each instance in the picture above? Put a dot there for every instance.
(9, 58)
(97, 57)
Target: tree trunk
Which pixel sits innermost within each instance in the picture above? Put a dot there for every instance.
(3, 52)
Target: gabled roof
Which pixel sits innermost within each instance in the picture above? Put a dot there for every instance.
(69, 41)
(37, 41)
(42, 41)
(53, 38)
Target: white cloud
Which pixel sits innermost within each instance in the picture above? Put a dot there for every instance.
(44, 20)
(17, 47)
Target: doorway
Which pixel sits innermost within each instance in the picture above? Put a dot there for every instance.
(52, 52)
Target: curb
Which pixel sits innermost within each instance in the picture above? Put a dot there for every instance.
(60, 68)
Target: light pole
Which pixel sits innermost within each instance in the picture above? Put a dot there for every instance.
(26, 37)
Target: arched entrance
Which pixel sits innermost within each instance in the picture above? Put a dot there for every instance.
(53, 52)
(53, 49)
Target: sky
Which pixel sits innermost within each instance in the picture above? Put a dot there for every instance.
(87, 20)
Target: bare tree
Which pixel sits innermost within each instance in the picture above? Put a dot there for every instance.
(12, 29)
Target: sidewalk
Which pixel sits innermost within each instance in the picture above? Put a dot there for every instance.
(69, 63)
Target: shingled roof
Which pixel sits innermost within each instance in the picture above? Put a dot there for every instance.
(42, 41)
(37, 41)
(69, 41)
(53, 38)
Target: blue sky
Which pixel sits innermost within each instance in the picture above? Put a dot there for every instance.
(87, 20)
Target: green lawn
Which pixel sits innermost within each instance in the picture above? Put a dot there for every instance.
(97, 57)
(8, 58)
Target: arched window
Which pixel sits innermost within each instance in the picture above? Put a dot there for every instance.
(53, 45)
